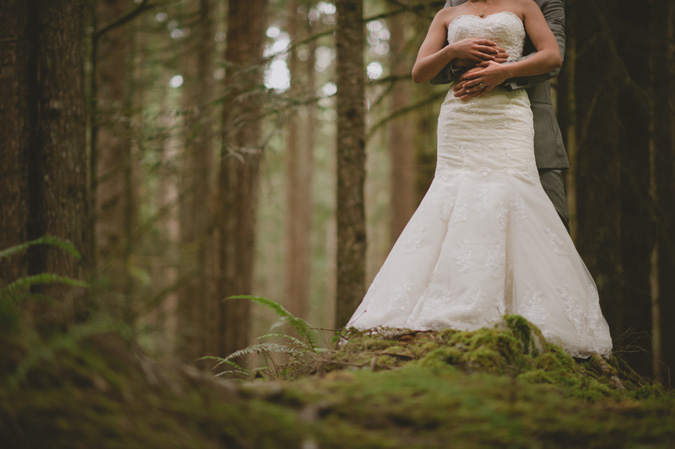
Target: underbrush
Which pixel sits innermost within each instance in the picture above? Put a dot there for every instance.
(497, 387)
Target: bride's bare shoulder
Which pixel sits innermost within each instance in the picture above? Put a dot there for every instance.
(446, 15)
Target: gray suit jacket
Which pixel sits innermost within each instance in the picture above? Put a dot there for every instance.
(549, 149)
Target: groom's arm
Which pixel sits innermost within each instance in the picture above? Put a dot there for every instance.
(554, 13)
(448, 74)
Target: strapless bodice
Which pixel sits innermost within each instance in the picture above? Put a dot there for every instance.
(504, 28)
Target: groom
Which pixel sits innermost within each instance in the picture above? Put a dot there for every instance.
(549, 149)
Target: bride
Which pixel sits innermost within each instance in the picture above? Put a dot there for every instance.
(486, 240)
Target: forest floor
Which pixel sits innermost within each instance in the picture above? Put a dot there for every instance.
(502, 387)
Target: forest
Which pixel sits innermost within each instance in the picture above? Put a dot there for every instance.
(196, 195)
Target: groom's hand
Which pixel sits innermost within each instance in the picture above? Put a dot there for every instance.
(479, 80)
(466, 89)
(501, 56)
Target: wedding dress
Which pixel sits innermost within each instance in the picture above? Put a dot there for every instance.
(486, 240)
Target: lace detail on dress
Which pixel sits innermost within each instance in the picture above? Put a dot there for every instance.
(554, 241)
(465, 256)
(494, 257)
(413, 243)
(504, 27)
(532, 307)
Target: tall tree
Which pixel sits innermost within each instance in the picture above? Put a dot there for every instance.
(241, 156)
(196, 178)
(637, 231)
(16, 116)
(298, 178)
(48, 143)
(598, 162)
(623, 113)
(403, 198)
(112, 185)
(351, 228)
(662, 185)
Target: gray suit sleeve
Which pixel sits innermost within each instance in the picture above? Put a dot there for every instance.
(554, 13)
(447, 74)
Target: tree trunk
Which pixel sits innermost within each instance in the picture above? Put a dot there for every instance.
(403, 198)
(168, 230)
(662, 187)
(240, 167)
(598, 161)
(113, 189)
(567, 117)
(351, 228)
(47, 147)
(632, 31)
(196, 182)
(298, 183)
(17, 116)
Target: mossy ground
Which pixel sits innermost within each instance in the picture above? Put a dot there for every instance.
(493, 388)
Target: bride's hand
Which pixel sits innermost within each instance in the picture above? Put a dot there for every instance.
(481, 80)
(475, 49)
(501, 56)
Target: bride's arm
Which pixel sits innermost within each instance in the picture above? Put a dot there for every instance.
(546, 59)
(433, 55)
(554, 13)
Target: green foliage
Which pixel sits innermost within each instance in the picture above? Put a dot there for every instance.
(301, 327)
(296, 349)
(26, 282)
(18, 291)
(47, 350)
(45, 240)
(386, 388)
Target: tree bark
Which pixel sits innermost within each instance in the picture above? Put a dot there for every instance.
(16, 118)
(637, 230)
(298, 182)
(351, 228)
(567, 117)
(403, 198)
(196, 190)
(662, 186)
(240, 167)
(598, 161)
(113, 188)
(44, 52)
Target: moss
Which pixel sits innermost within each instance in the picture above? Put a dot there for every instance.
(490, 388)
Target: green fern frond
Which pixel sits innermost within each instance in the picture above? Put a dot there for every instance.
(42, 278)
(48, 350)
(222, 361)
(300, 325)
(233, 373)
(266, 348)
(300, 344)
(45, 240)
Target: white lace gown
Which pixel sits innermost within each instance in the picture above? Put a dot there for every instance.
(486, 240)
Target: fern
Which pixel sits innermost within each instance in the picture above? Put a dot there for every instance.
(300, 344)
(296, 348)
(222, 361)
(49, 349)
(234, 371)
(266, 348)
(42, 278)
(260, 369)
(302, 328)
(45, 240)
